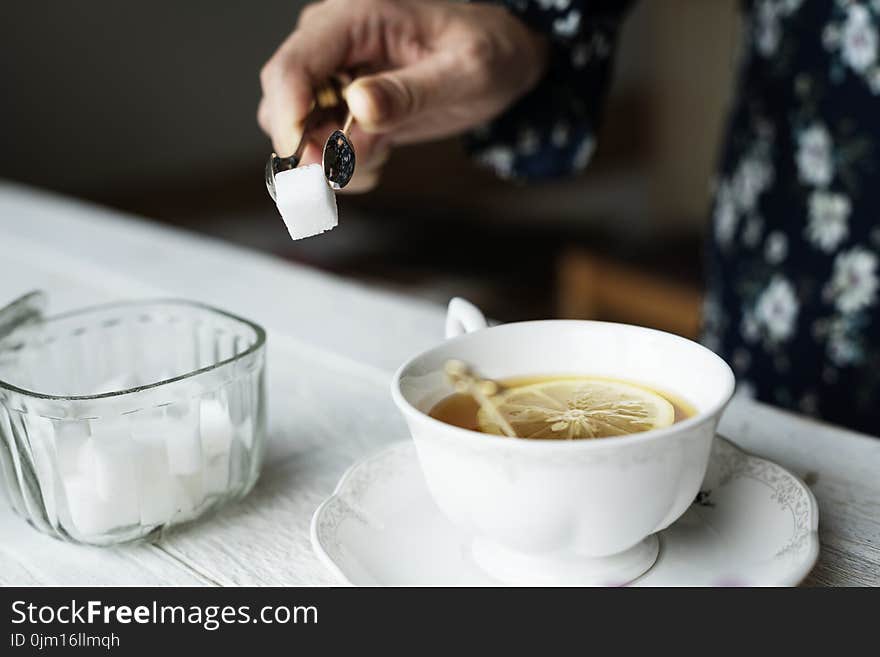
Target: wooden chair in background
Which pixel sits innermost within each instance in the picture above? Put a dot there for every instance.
(594, 287)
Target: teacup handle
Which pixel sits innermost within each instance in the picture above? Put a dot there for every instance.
(463, 317)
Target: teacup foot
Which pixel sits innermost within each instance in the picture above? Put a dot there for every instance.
(512, 567)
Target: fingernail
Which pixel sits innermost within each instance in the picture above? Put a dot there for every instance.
(285, 141)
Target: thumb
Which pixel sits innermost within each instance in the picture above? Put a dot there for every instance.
(381, 102)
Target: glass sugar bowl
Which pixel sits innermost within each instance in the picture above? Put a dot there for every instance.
(119, 421)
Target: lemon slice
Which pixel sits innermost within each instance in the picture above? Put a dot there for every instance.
(578, 408)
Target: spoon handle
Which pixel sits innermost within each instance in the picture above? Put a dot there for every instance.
(349, 122)
(482, 390)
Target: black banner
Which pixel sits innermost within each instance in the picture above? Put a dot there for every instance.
(261, 620)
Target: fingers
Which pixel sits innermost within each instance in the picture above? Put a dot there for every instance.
(362, 182)
(263, 116)
(445, 67)
(384, 101)
(318, 47)
(287, 98)
(367, 175)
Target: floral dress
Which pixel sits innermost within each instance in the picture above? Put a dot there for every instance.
(792, 297)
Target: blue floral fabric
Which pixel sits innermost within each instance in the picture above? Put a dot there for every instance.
(793, 295)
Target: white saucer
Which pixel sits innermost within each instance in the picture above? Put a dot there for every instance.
(753, 524)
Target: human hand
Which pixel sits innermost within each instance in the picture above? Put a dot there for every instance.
(428, 69)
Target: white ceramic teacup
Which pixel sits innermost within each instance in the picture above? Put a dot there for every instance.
(558, 512)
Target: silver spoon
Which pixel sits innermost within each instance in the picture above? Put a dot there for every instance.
(339, 159)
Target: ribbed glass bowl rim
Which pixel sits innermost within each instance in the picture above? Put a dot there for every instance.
(258, 344)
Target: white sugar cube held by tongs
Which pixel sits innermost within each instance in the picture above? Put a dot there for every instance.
(339, 156)
(304, 195)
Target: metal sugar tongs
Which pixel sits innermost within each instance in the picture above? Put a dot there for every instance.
(338, 158)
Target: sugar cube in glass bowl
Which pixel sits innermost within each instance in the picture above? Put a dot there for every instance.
(120, 421)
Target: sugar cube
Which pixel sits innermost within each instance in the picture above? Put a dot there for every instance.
(182, 439)
(108, 463)
(89, 514)
(215, 427)
(217, 434)
(305, 201)
(189, 493)
(71, 437)
(245, 432)
(157, 465)
(99, 495)
(155, 486)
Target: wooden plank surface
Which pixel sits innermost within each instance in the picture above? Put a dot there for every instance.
(333, 346)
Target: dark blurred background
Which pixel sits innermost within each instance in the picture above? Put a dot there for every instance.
(150, 107)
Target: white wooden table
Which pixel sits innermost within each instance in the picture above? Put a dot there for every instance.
(333, 346)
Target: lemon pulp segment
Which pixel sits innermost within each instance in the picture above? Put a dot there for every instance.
(573, 408)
